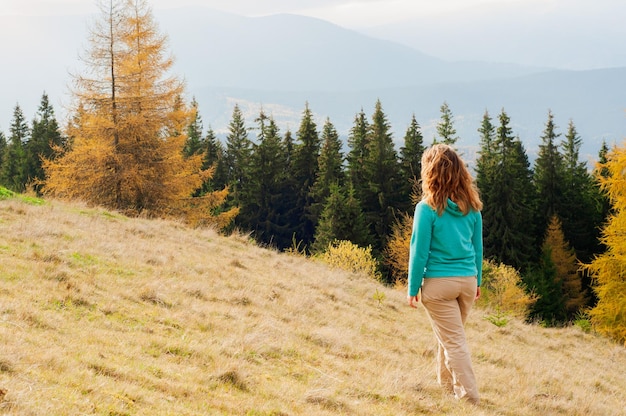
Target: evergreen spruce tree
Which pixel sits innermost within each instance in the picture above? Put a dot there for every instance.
(237, 156)
(305, 167)
(382, 175)
(548, 178)
(358, 145)
(214, 159)
(526, 204)
(331, 170)
(194, 144)
(487, 160)
(445, 127)
(581, 215)
(290, 193)
(507, 213)
(602, 201)
(487, 165)
(45, 141)
(411, 163)
(542, 280)
(289, 146)
(263, 210)
(603, 157)
(341, 219)
(3, 149)
(14, 168)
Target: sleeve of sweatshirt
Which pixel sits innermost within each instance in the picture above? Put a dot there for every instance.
(477, 241)
(419, 246)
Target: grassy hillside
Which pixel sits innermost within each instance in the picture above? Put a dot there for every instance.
(105, 315)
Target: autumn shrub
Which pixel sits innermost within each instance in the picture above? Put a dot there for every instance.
(397, 250)
(349, 256)
(502, 291)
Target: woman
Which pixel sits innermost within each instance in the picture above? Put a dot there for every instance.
(445, 261)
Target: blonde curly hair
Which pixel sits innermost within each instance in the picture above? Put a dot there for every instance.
(444, 175)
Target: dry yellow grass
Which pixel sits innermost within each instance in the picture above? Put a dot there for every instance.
(104, 315)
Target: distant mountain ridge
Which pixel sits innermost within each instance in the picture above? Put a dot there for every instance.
(563, 34)
(281, 62)
(296, 53)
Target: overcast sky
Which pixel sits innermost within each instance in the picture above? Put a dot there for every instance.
(348, 13)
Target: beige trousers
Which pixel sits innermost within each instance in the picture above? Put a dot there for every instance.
(448, 301)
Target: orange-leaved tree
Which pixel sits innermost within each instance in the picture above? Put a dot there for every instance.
(566, 268)
(609, 268)
(127, 133)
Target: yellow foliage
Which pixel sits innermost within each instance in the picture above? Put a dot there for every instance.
(608, 269)
(502, 290)
(397, 249)
(199, 211)
(566, 265)
(127, 131)
(608, 317)
(348, 256)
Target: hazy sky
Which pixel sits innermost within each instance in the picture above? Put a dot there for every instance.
(349, 13)
(561, 34)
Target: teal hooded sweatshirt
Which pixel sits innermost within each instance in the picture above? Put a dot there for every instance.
(450, 245)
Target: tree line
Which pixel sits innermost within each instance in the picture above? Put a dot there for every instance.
(133, 144)
(303, 191)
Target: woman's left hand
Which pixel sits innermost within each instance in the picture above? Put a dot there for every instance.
(477, 292)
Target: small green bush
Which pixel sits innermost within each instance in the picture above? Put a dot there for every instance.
(5, 193)
(499, 319)
(8, 194)
(583, 321)
(379, 297)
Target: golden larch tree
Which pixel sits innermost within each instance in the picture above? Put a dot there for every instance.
(128, 127)
(609, 268)
(566, 267)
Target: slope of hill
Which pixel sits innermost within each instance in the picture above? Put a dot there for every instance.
(102, 314)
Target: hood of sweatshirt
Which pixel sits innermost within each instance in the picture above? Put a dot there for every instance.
(453, 208)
